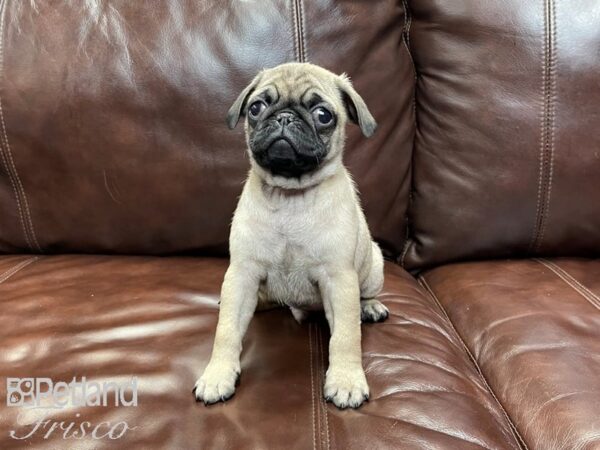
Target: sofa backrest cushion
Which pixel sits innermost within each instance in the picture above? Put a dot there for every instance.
(507, 152)
(113, 135)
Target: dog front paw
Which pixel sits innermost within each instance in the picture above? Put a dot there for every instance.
(217, 383)
(373, 311)
(346, 387)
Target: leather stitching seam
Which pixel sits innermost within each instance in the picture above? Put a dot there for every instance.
(534, 237)
(571, 281)
(16, 268)
(407, 22)
(406, 42)
(322, 384)
(312, 386)
(299, 34)
(546, 157)
(295, 25)
(20, 196)
(304, 55)
(2, 147)
(513, 428)
(7, 159)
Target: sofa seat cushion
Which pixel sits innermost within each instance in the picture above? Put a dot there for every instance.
(113, 318)
(533, 328)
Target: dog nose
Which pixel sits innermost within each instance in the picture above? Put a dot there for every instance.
(284, 117)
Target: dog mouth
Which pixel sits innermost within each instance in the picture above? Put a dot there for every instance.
(283, 157)
(283, 153)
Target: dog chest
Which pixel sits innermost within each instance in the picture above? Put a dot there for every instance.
(290, 277)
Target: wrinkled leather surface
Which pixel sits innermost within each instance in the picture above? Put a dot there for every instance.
(112, 139)
(507, 152)
(113, 116)
(534, 329)
(154, 318)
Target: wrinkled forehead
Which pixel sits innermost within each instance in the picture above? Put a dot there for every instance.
(297, 86)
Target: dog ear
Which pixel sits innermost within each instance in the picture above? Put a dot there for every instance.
(237, 109)
(356, 107)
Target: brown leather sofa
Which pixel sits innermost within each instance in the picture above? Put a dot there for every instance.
(118, 179)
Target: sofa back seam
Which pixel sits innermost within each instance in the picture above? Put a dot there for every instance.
(571, 281)
(16, 268)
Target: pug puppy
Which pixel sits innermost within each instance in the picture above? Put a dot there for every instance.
(299, 237)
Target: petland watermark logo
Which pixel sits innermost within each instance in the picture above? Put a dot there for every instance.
(39, 396)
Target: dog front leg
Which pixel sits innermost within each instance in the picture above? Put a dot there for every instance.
(345, 381)
(239, 295)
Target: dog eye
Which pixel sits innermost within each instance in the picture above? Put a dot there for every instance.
(256, 108)
(322, 115)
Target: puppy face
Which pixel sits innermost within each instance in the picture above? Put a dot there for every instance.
(295, 118)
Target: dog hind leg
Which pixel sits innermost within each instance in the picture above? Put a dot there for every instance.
(372, 310)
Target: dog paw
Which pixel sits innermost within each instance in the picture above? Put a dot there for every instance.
(373, 311)
(346, 388)
(299, 314)
(217, 383)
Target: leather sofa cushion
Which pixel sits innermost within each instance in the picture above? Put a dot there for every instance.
(113, 135)
(110, 318)
(534, 329)
(507, 152)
